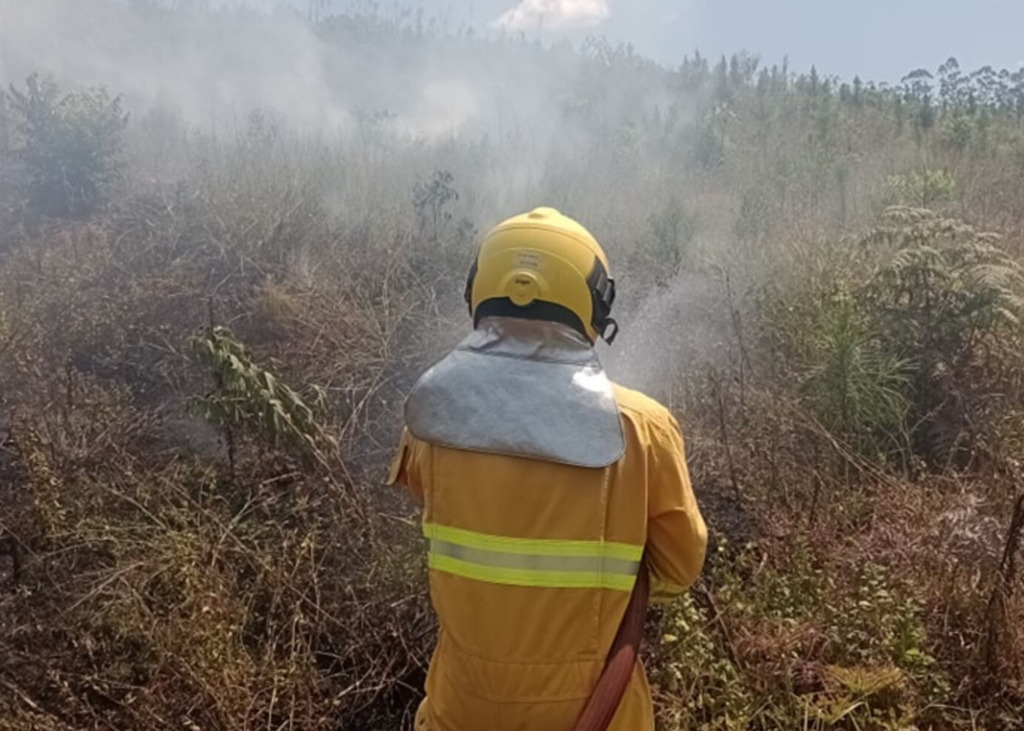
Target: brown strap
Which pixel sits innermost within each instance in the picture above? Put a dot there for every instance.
(618, 669)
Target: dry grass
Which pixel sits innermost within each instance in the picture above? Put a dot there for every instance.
(161, 586)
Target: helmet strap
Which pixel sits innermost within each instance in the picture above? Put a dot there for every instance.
(538, 310)
(609, 323)
(602, 295)
(468, 294)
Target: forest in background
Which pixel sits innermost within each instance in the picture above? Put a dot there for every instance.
(209, 316)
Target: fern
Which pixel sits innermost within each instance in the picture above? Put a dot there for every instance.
(946, 292)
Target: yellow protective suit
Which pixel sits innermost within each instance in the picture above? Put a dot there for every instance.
(531, 568)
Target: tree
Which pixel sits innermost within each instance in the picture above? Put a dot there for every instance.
(951, 84)
(65, 149)
(985, 82)
(431, 199)
(917, 85)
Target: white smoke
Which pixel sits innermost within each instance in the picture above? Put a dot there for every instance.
(213, 67)
(555, 15)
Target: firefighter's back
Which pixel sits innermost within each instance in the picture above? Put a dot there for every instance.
(544, 487)
(531, 568)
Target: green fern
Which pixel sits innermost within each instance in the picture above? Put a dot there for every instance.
(943, 298)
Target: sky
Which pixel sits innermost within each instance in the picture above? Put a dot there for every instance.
(877, 39)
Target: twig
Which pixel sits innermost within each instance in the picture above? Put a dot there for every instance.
(716, 387)
(704, 596)
(21, 694)
(229, 435)
(1002, 592)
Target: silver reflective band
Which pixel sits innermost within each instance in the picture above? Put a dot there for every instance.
(532, 562)
(537, 562)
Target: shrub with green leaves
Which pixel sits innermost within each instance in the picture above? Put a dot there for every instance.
(248, 395)
(694, 668)
(666, 248)
(66, 148)
(925, 188)
(945, 302)
(913, 358)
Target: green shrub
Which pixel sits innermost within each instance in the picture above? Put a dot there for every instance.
(912, 359)
(945, 301)
(248, 395)
(66, 148)
(853, 384)
(926, 188)
(666, 248)
(699, 684)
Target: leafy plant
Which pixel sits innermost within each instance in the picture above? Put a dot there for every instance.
(248, 395)
(941, 301)
(431, 200)
(694, 668)
(852, 383)
(667, 246)
(925, 188)
(67, 147)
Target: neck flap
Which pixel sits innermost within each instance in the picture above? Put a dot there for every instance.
(520, 388)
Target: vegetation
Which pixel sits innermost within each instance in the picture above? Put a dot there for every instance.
(205, 340)
(67, 147)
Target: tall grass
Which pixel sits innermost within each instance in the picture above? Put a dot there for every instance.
(203, 378)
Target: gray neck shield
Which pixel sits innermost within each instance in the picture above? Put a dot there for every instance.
(520, 388)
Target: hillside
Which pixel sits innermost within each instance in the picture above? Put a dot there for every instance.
(222, 268)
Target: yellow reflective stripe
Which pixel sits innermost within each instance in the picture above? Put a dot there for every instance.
(530, 546)
(526, 577)
(533, 561)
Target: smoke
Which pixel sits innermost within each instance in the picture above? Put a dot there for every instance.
(555, 15)
(207, 69)
(384, 103)
(212, 68)
(213, 63)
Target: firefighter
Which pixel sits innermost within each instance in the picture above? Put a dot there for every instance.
(544, 487)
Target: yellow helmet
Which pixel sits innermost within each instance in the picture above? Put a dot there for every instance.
(542, 265)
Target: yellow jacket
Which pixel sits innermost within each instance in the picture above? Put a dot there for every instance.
(531, 568)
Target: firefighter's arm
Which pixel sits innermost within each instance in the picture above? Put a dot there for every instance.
(405, 466)
(676, 534)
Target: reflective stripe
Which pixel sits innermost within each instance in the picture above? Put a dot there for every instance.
(535, 562)
(531, 546)
(527, 562)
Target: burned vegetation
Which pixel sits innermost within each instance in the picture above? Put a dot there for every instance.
(206, 335)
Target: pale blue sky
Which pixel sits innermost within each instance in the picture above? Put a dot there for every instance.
(878, 39)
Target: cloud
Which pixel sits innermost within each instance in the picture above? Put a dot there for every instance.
(555, 14)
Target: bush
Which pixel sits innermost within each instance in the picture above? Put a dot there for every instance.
(668, 245)
(945, 302)
(914, 358)
(852, 383)
(66, 148)
(925, 189)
